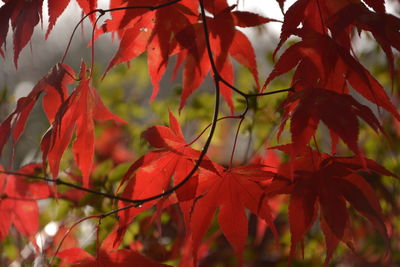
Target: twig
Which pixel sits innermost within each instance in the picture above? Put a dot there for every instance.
(235, 142)
(59, 181)
(92, 50)
(208, 126)
(68, 231)
(100, 217)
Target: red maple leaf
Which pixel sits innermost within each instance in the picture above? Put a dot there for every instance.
(142, 30)
(338, 111)
(384, 27)
(225, 41)
(87, 6)
(25, 15)
(315, 180)
(55, 9)
(270, 161)
(322, 63)
(54, 86)
(76, 114)
(107, 255)
(152, 174)
(18, 204)
(152, 31)
(311, 15)
(232, 192)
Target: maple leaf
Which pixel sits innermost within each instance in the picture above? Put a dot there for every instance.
(54, 86)
(18, 204)
(319, 180)
(270, 161)
(107, 255)
(231, 191)
(225, 40)
(87, 6)
(338, 111)
(384, 27)
(152, 173)
(24, 16)
(311, 15)
(333, 68)
(295, 15)
(152, 31)
(338, 16)
(173, 29)
(55, 9)
(76, 114)
(249, 19)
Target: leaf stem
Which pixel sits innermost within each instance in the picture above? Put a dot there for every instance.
(92, 50)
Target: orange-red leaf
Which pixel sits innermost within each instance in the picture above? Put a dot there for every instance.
(55, 9)
(18, 204)
(231, 191)
(328, 182)
(338, 111)
(76, 114)
(249, 19)
(107, 256)
(54, 86)
(151, 174)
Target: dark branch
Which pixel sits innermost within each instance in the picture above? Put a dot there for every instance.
(59, 181)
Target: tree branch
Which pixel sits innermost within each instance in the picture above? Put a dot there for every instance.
(59, 181)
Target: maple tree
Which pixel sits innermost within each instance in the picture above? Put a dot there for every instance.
(171, 203)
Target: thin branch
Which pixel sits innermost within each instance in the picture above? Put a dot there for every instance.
(92, 50)
(208, 126)
(232, 87)
(59, 181)
(250, 139)
(100, 217)
(73, 33)
(245, 95)
(68, 231)
(291, 89)
(151, 8)
(235, 142)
